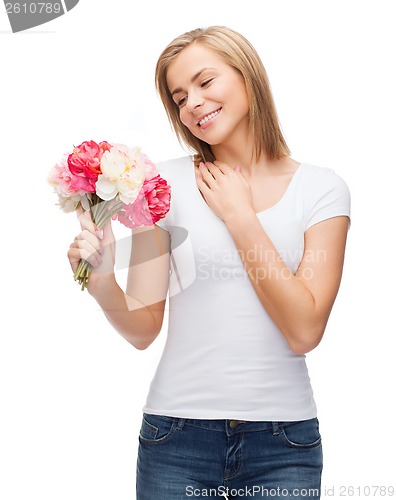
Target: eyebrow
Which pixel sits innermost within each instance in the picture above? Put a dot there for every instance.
(197, 75)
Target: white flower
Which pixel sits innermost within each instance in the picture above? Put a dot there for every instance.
(70, 203)
(123, 173)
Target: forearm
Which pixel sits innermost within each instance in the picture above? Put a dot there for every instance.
(129, 317)
(286, 298)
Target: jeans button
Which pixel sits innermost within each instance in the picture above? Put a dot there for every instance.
(234, 423)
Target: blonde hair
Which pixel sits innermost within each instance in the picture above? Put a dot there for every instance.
(236, 51)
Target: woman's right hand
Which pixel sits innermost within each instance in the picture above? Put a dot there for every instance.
(96, 246)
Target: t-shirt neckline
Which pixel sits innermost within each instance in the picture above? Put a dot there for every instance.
(286, 193)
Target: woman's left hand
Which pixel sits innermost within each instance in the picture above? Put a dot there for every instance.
(225, 190)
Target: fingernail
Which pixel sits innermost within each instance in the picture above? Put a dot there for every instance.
(99, 234)
(202, 164)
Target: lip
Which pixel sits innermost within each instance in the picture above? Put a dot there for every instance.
(208, 114)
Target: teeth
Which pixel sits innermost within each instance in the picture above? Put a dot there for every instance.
(208, 117)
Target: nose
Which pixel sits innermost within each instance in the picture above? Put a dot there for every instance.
(195, 100)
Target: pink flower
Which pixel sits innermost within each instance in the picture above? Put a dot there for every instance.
(151, 204)
(61, 179)
(84, 164)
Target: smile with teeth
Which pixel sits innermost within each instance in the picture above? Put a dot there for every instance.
(209, 117)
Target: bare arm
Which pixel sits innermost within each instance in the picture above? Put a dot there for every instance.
(299, 304)
(138, 313)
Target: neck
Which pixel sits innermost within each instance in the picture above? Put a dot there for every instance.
(251, 167)
(237, 151)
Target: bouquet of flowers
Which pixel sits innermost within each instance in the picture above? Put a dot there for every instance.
(113, 181)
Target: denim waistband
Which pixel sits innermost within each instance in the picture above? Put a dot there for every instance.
(228, 425)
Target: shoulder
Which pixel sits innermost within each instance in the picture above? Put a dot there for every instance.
(318, 179)
(168, 167)
(316, 172)
(326, 194)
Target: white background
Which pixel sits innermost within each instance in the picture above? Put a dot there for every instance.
(71, 388)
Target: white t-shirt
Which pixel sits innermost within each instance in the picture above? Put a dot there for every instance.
(224, 358)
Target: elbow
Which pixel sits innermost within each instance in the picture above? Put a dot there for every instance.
(143, 337)
(301, 348)
(140, 346)
(143, 342)
(301, 342)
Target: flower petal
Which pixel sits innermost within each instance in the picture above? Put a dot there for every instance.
(105, 189)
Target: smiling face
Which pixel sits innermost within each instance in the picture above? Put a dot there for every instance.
(210, 95)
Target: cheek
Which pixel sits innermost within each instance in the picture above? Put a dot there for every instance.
(185, 118)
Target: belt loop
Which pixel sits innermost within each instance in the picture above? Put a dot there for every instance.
(275, 428)
(180, 424)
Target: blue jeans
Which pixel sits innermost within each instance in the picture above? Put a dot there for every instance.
(186, 458)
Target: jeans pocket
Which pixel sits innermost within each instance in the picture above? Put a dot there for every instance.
(301, 434)
(156, 429)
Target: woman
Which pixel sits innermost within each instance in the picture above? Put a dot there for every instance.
(251, 253)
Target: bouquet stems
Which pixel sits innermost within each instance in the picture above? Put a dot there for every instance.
(101, 213)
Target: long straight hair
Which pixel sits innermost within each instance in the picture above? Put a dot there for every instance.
(238, 52)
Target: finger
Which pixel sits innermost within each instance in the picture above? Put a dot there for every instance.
(213, 169)
(205, 173)
(229, 170)
(75, 254)
(87, 223)
(91, 239)
(202, 185)
(197, 171)
(223, 167)
(108, 235)
(87, 252)
(83, 214)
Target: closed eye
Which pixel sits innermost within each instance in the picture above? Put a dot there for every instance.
(206, 82)
(181, 101)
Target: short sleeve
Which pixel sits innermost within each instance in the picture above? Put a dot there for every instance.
(330, 197)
